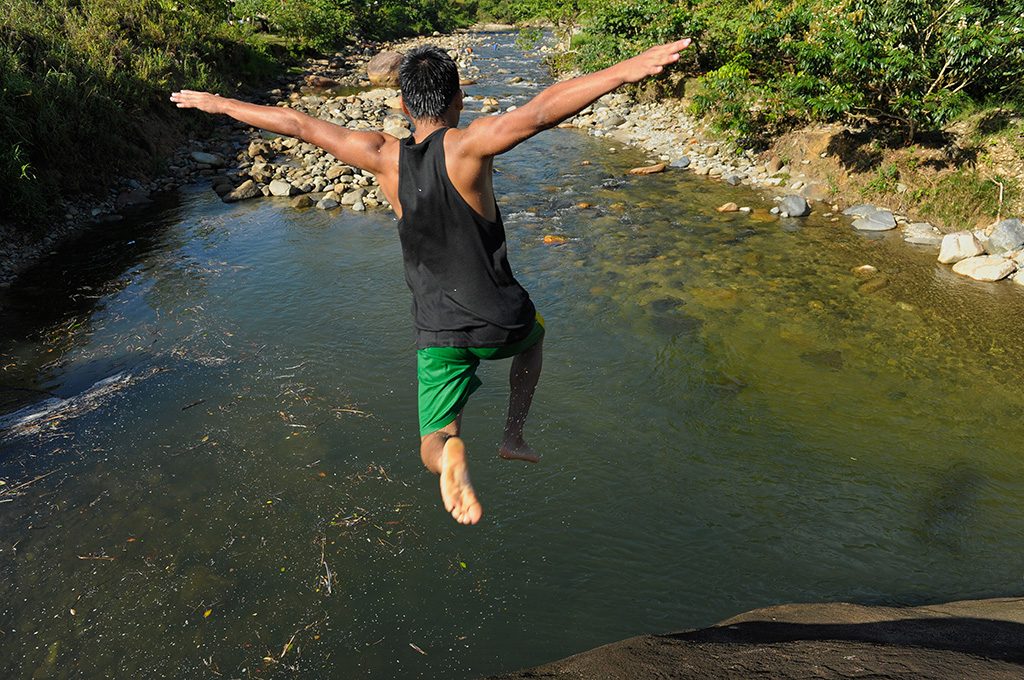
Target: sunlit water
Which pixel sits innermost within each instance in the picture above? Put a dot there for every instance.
(727, 419)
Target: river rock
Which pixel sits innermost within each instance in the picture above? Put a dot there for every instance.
(680, 163)
(863, 210)
(383, 68)
(336, 171)
(203, 158)
(728, 207)
(734, 180)
(262, 172)
(244, 192)
(795, 206)
(258, 148)
(1005, 236)
(985, 267)
(321, 82)
(959, 246)
(880, 220)
(134, 197)
(302, 201)
(922, 234)
(353, 197)
(648, 170)
(279, 187)
(610, 120)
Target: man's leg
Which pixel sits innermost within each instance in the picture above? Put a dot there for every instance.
(444, 454)
(522, 380)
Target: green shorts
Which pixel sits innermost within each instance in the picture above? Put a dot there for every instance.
(447, 377)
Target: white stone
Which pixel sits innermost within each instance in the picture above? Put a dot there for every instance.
(959, 246)
(985, 267)
(279, 187)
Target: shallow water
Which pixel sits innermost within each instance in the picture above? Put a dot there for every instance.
(727, 419)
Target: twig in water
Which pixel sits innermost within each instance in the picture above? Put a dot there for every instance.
(31, 481)
(194, 403)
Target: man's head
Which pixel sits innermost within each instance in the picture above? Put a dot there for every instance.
(429, 80)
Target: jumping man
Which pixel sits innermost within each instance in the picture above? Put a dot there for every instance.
(467, 305)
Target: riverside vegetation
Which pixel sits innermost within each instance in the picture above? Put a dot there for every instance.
(927, 120)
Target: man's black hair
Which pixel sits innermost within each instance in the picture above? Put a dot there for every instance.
(429, 80)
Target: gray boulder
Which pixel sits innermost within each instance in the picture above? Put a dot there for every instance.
(880, 220)
(1006, 235)
(795, 206)
(863, 210)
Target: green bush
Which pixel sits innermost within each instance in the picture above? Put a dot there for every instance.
(911, 64)
(82, 80)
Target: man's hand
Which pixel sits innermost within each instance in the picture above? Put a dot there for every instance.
(653, 61)
(204, 101)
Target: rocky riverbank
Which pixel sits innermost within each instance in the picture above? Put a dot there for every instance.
(799, 171)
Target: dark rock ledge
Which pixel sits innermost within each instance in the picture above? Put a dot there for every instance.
(976, 639)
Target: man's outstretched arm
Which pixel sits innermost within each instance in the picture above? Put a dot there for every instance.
(361, 149)
(492, 135)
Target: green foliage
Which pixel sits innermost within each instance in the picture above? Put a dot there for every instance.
(912, 64)
(327, 24)
(520, 11)
(727, 97)
(78, 78)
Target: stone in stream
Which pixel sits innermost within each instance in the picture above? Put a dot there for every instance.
(279, 187)
(922, 234)
(328, 202)
(985, 267)
(959, 246)
(648, 170)
(880, 220)
(795, 206)
(680, 163)
(728, 207)
(245, 191)
(353, 197)
(302, 201)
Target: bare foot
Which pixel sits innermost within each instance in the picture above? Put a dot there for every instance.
(520, 451)
(456, 489)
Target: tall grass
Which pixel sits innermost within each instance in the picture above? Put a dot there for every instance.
(82, 82)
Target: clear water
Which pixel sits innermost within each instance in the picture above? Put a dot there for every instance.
(728, 418)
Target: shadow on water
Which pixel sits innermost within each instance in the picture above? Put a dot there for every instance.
(728, 418)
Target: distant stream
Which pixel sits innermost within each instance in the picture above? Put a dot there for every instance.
(218, 475)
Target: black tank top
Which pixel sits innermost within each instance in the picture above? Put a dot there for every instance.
(463, 290)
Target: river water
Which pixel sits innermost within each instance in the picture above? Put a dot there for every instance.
(728, 418)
